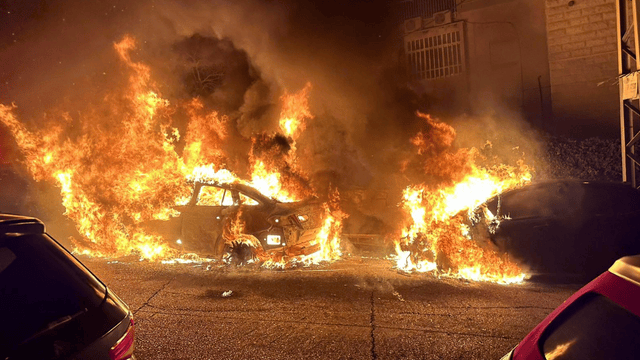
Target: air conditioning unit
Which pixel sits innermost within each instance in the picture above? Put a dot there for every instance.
(412, 25)
(442, 17)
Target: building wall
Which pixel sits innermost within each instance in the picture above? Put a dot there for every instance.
(583, 62)
(436, 58)
(508, 58)
(506, 61)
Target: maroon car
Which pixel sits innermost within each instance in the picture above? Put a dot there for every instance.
(600, 321)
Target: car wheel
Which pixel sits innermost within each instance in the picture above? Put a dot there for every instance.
(239, 253)
(220, 247)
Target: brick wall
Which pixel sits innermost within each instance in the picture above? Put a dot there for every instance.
(583, 66)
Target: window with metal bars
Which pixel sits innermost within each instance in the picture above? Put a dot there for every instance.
(436, 53)
(403, 10)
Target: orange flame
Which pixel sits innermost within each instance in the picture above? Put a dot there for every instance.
(295, 112)
(204, 134)
(436, 236)
(122, 168)
(329, 236)
(273, 159)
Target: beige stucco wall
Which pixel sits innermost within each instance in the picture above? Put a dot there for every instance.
(508, 58)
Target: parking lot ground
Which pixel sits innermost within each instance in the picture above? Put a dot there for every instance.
(356, 308)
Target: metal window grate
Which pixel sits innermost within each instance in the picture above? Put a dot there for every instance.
(436, 54)
(404, 10)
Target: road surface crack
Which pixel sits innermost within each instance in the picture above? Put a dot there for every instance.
(372, 322)
(146, 303)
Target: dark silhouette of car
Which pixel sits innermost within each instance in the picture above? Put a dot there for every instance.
(564, 226)
(600, 321)
(52, 306)
(219, 214)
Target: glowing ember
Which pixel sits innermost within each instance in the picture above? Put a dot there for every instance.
(436, 236)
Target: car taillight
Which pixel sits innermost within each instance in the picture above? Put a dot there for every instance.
(123, 349)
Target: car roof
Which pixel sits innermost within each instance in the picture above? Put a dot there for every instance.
(248, 190)
(547, 183)
(11, 224)
(628, 268)
(566, 182)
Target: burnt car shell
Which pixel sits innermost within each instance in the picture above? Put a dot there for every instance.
(52, 306)
(565, 226)
(200, 227)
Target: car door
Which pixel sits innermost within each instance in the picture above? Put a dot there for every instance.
(538, 225)
(203, 219)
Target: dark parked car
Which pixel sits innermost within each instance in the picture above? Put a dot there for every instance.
(52, 306)
(208, 223)
(570, 227)
(600, 321)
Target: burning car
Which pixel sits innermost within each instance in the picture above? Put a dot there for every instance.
(220, 218)
(570, 227)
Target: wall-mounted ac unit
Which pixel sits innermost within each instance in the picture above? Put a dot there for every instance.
(412, 25)
(442, 17)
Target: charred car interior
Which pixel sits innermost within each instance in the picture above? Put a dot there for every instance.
(217, 214)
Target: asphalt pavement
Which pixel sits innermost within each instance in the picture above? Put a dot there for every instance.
(356, 308)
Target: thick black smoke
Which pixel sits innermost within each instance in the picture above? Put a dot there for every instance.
(239, 57)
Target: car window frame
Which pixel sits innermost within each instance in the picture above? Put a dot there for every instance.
(571, 311)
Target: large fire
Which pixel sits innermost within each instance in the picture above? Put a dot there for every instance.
(125, 161)
(122, 167)
(437, 236)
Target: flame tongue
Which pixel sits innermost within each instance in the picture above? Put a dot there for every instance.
(295, 112)
(274, 163)
(120, 170)
(436, 236)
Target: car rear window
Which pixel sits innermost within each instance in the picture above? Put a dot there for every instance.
(594, 327)
(40, 285)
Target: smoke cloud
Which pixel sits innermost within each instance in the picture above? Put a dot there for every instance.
(239, 57)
